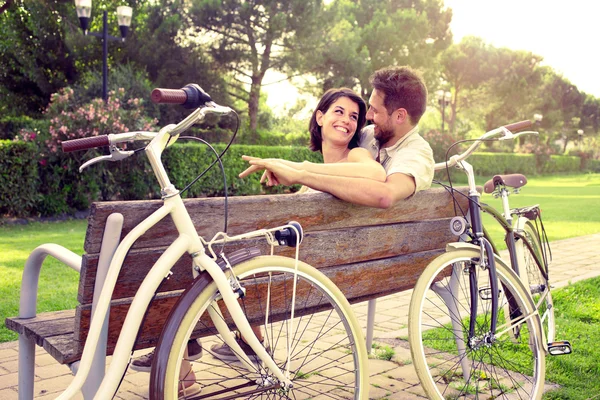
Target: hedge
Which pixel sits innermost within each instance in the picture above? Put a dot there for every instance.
(31, 186)
(19, 178)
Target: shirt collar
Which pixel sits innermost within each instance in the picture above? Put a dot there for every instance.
(392, 149)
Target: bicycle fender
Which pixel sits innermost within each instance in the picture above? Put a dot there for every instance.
(460, 246)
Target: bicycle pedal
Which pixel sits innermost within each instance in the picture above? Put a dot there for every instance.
(559, 348)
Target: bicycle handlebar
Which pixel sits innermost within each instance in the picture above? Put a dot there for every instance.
(506, 131)
(85, 143)
(519, 126)
(189, 96)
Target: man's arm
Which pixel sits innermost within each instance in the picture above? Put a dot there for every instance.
(359, 165)
(362, 191)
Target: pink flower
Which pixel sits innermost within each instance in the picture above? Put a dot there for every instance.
(43, 162)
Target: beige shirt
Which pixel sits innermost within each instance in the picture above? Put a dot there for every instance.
(411, 156)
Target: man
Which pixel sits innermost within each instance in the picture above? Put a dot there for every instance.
(398, 101)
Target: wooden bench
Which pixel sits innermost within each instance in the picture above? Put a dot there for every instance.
(367, 252)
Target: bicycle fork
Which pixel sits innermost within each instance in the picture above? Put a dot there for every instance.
(449, 294)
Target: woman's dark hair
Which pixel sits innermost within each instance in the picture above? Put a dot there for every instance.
(330, 97)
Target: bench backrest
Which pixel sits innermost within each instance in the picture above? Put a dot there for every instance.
(367, 252)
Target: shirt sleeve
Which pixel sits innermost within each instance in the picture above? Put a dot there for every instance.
(415, 160)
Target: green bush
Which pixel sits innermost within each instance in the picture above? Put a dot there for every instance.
(592, 165)
(19, 179)
(489, 164)
(561, 164)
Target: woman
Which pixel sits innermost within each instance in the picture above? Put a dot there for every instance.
(334, 131)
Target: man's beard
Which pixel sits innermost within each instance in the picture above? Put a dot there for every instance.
(383, 135)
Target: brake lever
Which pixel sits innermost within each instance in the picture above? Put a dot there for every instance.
(508, 135)
(116, 154)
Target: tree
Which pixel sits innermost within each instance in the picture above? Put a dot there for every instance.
(248, 38)
(34, 59)
(372, 34)
(465, 66)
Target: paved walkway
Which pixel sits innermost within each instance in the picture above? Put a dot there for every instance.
(573, 260)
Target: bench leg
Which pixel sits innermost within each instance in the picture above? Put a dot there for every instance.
(26, 367)
(370, 323)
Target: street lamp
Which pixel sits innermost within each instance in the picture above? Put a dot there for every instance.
(124, 13)
(580, 135)
(444, 99)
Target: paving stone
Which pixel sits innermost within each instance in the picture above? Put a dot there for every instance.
(51, 371)
(9, 394)
(10, 366)
(9, 380)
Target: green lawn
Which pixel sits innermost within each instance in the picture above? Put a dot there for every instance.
(570, 205)
(58, 283)
(577, 320)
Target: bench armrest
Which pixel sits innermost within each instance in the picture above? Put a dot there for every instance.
(31, 274)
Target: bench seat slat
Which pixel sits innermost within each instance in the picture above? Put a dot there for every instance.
(319, 249)
(266, 211)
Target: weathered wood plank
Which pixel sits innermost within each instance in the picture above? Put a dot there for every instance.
(386, 276)
(315, 211)
(18, 325)
(64, 348)
(320, 249)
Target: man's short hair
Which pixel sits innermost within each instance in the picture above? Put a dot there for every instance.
(403, 88)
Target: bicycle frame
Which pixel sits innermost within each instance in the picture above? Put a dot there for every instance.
(487, 248)
(189, 242)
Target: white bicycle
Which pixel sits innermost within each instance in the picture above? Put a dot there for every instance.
(313, 344)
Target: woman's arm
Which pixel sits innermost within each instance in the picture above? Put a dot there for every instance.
(360, 164)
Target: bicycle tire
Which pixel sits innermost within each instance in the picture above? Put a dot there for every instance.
(536, 275)
(498, 368)
(328, 353)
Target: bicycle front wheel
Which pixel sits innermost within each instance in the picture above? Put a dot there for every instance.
(450, 362)
(535, 275)
(323, 344)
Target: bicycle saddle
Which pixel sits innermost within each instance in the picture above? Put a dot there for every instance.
(513, 180)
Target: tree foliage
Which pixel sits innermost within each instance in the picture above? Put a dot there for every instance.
(249, 38)
(371, 34)
(35, 60)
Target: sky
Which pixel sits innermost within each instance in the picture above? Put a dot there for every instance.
(564, 33)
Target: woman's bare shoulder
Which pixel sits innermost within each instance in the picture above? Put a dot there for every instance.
(359, 154)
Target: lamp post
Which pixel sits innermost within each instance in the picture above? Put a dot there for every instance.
(444, 99)
(124, 13)
(580, 136)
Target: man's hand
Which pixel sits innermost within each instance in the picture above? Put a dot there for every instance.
(276, 171)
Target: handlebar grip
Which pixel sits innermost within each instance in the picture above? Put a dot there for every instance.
(518, 126)
(85, 143)
(190, 96)
(168, 96)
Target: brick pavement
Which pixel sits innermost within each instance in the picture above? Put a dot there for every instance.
(574, 259)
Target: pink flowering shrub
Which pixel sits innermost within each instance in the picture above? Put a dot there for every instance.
(95, 118)
(62, 186)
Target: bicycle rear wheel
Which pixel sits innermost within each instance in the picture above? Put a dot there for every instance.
(327, 353)
(452, 365)
(536, 276)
